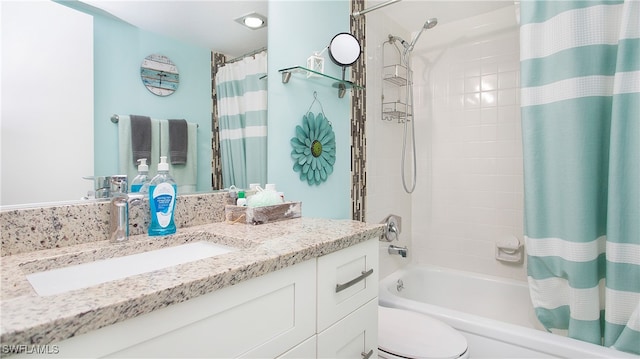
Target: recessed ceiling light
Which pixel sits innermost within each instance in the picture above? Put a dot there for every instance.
(253, 20)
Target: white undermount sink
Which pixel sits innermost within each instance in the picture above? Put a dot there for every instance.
(60, 280)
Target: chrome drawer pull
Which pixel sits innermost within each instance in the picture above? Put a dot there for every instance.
(341, 287)
(367, 355)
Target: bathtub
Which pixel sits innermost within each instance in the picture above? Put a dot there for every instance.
(493, 313)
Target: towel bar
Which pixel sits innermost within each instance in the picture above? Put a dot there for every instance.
(116, 118)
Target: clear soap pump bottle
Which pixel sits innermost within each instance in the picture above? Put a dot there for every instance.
(140, 183)
(162, 201)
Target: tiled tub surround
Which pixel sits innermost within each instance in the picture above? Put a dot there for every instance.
(27, 318)
(56, 226)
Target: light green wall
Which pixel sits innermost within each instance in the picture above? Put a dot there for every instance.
(296, 30)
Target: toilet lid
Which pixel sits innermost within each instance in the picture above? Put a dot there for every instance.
(415, 335)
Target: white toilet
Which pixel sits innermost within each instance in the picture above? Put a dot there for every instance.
(404, 334)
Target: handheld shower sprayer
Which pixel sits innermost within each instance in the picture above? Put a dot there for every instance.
(429, 24)
(406, 60)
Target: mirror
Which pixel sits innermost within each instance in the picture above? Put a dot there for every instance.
(155, 19)
(344, 49)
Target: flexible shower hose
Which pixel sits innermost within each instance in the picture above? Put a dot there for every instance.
(409, 96)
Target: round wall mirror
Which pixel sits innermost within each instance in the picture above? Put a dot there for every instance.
(159, 75)
(344, 49)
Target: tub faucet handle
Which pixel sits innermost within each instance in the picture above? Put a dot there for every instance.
(392, 227)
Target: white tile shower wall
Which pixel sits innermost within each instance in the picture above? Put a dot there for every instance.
(385, 194)
(470, 87)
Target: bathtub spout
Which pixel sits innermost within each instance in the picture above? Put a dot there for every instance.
(393, 249)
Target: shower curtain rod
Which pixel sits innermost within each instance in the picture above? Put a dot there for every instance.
(376, 7)
(251, 53)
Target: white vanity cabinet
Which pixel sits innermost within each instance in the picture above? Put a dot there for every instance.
(261, 317)
(324, 307)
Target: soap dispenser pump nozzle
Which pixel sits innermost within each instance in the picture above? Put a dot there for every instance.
(163, 165)
(142, 165)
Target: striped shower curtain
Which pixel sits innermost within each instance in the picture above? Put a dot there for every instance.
(580, 79)
(242, 107)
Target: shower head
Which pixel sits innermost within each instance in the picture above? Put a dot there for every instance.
(429, 24)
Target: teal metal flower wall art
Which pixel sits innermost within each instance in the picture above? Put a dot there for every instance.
(314, 149)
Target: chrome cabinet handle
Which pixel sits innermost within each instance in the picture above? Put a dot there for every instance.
(365, 274)
(367, 355)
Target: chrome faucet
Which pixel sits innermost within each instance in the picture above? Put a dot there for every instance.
(393, 249)
(119, 207)
(392, 227)
(101, 187)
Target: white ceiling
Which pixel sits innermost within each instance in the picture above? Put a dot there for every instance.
(206, 23)
(211, 23)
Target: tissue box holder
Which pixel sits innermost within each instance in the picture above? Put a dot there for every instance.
(261, 215)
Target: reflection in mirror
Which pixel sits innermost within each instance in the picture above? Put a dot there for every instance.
(45, 103)
(159, 75)
(241, 90)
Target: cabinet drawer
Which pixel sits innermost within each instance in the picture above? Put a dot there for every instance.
(347, 279)
(355, 336)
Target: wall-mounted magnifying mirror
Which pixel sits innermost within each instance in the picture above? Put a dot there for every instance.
(344, 50)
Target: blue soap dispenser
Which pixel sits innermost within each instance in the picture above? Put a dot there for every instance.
(162, 201)
(140, 182)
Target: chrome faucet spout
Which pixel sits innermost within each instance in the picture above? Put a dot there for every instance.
(119, 218)
(119, 208)
(119, 215)
(402, 251)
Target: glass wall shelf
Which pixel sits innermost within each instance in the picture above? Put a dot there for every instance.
(341, 85)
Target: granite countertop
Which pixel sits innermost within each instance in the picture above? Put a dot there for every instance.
(27, 318)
